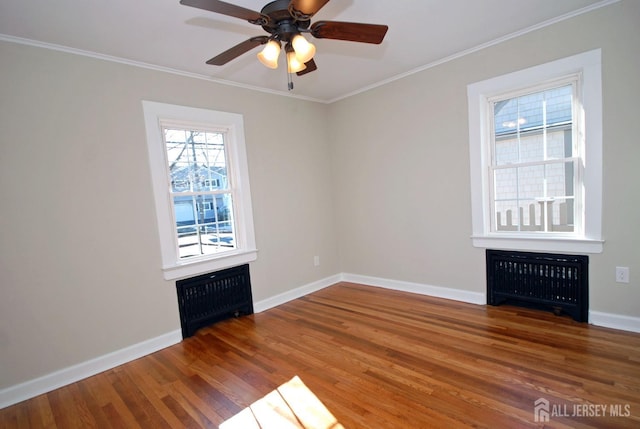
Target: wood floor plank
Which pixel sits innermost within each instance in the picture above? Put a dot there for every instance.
(373, 358)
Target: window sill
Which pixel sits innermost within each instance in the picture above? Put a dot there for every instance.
(194, 268)
(541, 244)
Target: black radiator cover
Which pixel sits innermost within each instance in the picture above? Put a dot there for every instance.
(539, 280)
(212, 297)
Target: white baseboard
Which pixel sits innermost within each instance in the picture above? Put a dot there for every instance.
(29, 389)
(615, 321)
(597, 318)
(422, 289)
(419, 288)
(299, 292)
(35, 387)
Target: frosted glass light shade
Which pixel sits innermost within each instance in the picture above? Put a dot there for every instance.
(304, 50)
(293, 63)
(269, 55)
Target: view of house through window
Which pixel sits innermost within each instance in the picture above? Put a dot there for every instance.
(535, 161)
(201, 194)
(535, 145)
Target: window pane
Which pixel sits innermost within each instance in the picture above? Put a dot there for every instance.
(562, 215)
(529, 215)
(505, 181)
(558, 105)
(535, 198)
(530, 127)
(518, 215)
(204, 224)
(560, 179)
(506, 216)
(531, 182)
(532, 147)
(559, 144)
(561, 192)
(197, 160)
(184, 210)
(506, 151)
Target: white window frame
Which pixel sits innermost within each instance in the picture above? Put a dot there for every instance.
(173, 267)
(588, 66)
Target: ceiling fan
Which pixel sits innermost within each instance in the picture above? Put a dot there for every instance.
(285, 21)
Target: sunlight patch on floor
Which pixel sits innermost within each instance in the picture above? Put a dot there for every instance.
(292, 405)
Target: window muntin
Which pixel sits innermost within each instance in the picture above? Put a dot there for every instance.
(201, 195)
(535, 163)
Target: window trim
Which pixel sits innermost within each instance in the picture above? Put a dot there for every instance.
(588, 66)
(155, 114)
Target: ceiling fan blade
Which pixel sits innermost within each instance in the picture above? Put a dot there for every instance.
(307, 8)
(237, 50)
(228, 9)
(351, 31)
(311, 66)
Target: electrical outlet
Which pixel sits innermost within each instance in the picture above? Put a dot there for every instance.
(316, 261)
(622, 274)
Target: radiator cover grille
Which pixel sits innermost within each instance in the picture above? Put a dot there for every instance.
(540, 280)
(212, 297)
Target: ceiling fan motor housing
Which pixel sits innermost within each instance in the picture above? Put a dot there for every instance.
(282, 23)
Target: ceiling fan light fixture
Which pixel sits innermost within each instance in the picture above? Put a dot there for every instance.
(304, 50)
(269, 55)
(286, 21)
(294, 65)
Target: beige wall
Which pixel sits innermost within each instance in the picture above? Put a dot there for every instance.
(79, 257)
(79, 251)
(401, 162)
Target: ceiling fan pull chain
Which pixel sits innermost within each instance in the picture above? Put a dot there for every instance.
(289, 81)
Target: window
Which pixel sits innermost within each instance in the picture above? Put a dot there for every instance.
(201, 188)
(213, 183)
(535, 162)
(204, 224)
(536, 157)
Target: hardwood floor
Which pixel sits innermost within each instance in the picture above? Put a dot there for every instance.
(376, 359)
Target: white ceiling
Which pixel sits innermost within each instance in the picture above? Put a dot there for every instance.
(166, 34)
